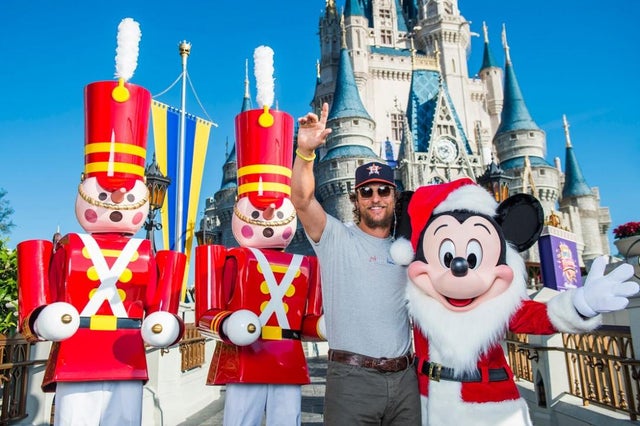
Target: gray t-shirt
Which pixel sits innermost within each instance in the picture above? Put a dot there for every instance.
(363, 292)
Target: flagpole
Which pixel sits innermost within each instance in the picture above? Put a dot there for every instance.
(185, 50)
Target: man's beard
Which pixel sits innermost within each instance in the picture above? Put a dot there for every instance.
(384, 223)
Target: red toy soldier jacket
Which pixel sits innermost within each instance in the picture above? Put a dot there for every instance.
(113, 281)
(281, 288)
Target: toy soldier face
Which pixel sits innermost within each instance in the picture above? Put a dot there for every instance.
(273, 227)
(120, 211)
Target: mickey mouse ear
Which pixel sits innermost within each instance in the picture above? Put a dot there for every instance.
(521, 217)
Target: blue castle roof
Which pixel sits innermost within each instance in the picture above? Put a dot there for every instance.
(575, 184)
(346, 101)
(515, 115)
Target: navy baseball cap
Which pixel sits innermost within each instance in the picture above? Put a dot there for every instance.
(374, 172)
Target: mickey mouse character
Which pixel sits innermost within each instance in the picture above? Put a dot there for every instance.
(467, 287)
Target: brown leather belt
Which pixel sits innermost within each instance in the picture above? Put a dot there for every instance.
(384, 365)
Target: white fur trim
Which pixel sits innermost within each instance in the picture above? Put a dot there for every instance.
(444, 406)
(565, 318)
(469, 197)
(458, 339)
(401, 251)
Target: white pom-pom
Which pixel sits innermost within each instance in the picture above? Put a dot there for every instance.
(402, 252)
(263, 70)
(127, 51)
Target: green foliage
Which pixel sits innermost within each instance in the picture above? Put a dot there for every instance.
(8, 290)
(5, 214)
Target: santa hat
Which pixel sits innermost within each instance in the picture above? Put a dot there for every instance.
(426, 201)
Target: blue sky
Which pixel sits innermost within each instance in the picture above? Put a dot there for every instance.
(573, 57)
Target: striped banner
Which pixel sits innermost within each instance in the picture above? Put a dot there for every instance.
(166, 135)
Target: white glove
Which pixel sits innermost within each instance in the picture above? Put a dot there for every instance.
(160, 329)
(242, 327)
(57, 321)
(604, 293)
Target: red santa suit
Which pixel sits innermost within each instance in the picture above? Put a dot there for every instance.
(467, 287)
(486, 391)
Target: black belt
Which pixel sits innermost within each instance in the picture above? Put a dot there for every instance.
(290, 334)
(120, 323)
(437, 372)
(384, 365)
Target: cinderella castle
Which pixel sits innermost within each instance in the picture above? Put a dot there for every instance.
(396, 78)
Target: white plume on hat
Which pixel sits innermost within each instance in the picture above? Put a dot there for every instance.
(263, 71)
(127, 51)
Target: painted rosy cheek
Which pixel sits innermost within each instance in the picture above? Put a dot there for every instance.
(286, 234)
(137, 218)
(247, 232)
(90, 216)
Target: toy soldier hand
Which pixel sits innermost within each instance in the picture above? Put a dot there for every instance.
(57, 321)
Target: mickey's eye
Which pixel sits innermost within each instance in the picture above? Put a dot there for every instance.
(474, 254)
(280, 214)
(131, 198)
(255, 214)
(446, 253)
(102, 196)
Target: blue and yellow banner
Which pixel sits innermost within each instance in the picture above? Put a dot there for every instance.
(166, 135)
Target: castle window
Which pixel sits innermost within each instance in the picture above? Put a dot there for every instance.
(386, 37)
(532, 135)
(334, 165)
(385, 13)
(396, 126)
(513, 136)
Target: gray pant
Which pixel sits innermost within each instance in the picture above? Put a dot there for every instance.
(364, 396)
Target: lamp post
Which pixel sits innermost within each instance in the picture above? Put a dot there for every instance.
(157, 184)
(205, 236)
(495, 181)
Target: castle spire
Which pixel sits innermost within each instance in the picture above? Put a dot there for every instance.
(487, 57)
(246, 101)
(575, 184)
(353, 8)
(346, 101)
(515, 115)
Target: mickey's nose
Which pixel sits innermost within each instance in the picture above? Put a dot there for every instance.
(459, 266)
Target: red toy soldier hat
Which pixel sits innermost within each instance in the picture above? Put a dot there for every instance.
(116, 123)
(264, 149)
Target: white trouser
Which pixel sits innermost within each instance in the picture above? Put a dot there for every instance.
(108, 403)
(246, 404)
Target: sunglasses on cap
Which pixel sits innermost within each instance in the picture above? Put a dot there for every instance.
(367, 191)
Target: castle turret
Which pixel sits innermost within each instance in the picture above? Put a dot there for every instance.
(491, 75)
(521, 145)
(350, 144)
(581, 204)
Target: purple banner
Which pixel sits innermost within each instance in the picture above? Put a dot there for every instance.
(559, 261)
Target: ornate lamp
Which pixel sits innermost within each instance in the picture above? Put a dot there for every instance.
(157, 184)
(495, 181)
(205, 236)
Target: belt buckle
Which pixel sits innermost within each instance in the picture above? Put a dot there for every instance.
(435, 370)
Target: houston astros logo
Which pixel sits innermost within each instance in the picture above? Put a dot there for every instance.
(374, 169)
